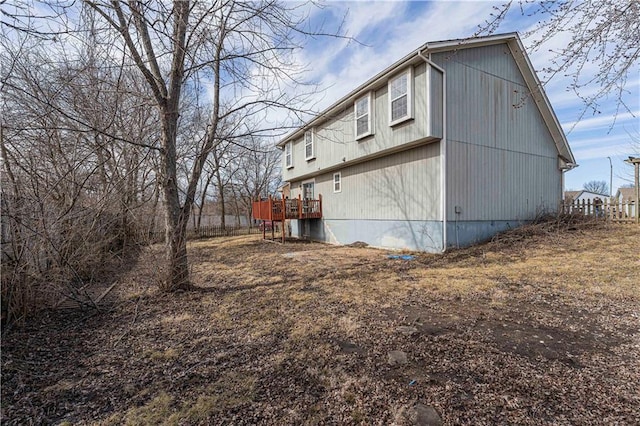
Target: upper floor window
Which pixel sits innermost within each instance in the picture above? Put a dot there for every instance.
(401, 97)
(288, 155)
(363, 122)
(337, 182)
(309, 145)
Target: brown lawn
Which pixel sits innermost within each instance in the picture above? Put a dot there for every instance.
(541, 326)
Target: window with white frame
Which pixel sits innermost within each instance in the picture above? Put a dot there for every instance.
(337, 182)
(363, 116)
(288, 155)
(309, 145)
(401, 97)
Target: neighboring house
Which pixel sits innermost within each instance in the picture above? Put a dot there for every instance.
(626, 200)
(586, 196)
(446, 147)
(626, 195)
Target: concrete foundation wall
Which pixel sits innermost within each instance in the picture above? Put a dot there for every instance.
(467, 233)
(414, 235)
(400, 235)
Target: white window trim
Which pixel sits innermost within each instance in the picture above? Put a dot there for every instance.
(409, 116)
(304, 182)
(369, 114)
(313, 144)
(339, 182)
(288, 156)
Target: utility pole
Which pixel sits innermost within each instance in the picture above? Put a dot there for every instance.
(610, 178)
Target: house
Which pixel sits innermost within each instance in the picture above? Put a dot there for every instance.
(625, 202)
(446, 147)
(586, 196)
(626, 195)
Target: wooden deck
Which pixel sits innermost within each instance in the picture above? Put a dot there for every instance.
(281, 209)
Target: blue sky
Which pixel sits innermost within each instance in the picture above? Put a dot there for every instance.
(389, 30)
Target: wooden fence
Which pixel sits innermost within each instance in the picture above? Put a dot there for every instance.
(612, 210)
(204, 232)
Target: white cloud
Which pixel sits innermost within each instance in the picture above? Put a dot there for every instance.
(620, 139)
(365, 15)
(602, 122)
(560, 96)
(397, 30)
(602, 151)
(587, 149)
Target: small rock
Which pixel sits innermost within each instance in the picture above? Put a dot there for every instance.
(425, 415)
(348, 347)
(397, 358)
(358, 244)
(407, 330)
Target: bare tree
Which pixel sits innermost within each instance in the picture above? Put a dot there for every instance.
(76, 169)
(217, 172)
(240, 54)
(597, 186)
(258, 174)
(603, 33)
(223, 170)
(220, 167)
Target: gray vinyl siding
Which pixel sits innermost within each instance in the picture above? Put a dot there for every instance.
(493, 184)
(502, 163)
(435, 102)
(403, 186)
(335, 143)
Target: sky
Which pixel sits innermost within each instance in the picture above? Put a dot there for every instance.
(386, 31)
(382, 32)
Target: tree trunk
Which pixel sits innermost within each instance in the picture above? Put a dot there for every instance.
(175, 220)
(221, 200)
(176, 216)
(176, 256)
(151, 232)
(237, 207)
(203, 199)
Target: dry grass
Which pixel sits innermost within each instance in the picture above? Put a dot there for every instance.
(300, 333)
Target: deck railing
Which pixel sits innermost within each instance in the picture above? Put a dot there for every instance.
(281, 209)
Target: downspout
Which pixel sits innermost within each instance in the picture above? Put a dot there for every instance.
(562, 200)
(443, 147)
(567, 167)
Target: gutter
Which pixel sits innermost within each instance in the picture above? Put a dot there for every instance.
(443, 143)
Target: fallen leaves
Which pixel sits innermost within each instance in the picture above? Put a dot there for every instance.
(505, 333)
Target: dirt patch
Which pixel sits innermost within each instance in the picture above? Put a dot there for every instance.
(542, 329)
(517, 331)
